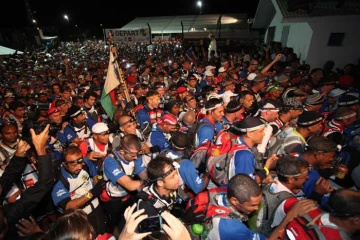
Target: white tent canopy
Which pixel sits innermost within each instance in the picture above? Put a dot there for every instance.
(192, 23)
(7, 51)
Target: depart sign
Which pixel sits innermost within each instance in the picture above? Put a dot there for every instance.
(133, 35)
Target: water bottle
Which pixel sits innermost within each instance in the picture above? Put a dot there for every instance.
(197, 229)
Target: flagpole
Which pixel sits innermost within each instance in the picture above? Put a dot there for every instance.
(120, 74)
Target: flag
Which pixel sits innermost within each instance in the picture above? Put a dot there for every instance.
(107, 100)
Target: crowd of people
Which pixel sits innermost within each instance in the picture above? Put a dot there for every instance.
(201, 145)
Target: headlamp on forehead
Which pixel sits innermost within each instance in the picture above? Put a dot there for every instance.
(337, 148)
(131, 120)
(175, 166)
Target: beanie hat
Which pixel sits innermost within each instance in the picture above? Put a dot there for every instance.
(249, 124)
(309, 118)
(348, 100)
(315, 99)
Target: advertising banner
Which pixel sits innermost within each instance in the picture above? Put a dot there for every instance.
(136, 35)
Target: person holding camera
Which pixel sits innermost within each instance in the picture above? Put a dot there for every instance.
(161, 195)
(76, 190)
(31, 197)
(119, 169)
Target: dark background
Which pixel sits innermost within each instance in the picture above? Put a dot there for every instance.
(88, 15)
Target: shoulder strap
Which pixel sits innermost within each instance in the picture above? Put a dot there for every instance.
(114, 156)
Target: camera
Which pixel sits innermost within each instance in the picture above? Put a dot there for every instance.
(38, 128)
(151, 224)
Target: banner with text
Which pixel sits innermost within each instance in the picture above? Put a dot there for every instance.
(136, 35)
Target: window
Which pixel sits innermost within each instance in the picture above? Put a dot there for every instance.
(336, 39)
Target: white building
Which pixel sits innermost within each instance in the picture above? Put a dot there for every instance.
(328, 31)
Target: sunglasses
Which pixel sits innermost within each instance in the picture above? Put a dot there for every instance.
(140, 152)
(76, 162)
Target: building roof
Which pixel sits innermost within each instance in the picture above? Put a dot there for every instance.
(172, 24)
(322, 8)
(7, 51)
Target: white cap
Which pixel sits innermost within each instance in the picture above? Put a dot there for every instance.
(208, 68)
(214, 95)
(336, 92)
(227, 95)
(222, 69)
(100, 128)
(208, 73)
(251, 76)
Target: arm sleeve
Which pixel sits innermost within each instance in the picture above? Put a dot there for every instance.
(205, 134)
(139, 166)
(244, 163)
(190, 176)
(69, 134)
(59, 193)
(61, 137)
(158, 139)
(230, 229)
(142, 117)
(112, 170)
(12, 173)
(33, 195)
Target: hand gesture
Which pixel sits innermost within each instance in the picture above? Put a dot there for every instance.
(301, 207)
(174, 228)
(271, 162)
(323, 186)
(94, 156)
(63, 126)
(132, 221)
(278, 57)
(269, 179)
(22, 148)
(27, 227)
(40, 141)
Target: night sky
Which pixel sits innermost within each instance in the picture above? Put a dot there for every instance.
(89, 15)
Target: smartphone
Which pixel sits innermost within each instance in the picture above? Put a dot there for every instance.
(151, 224)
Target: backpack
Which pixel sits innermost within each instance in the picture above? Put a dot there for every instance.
(308, 227)
(269, 203)
(219, 157)
(199, 157)
(191, 136)
(204, 206)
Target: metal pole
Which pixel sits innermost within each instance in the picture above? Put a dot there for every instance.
(149, 32)
(182, 32)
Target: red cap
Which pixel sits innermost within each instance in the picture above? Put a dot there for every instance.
(131, 79)
(52, 110)
(181, 89)
(168, 119)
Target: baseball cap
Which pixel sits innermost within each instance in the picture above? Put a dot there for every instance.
(221, 70)
(168, 119)
(100, 128)
(181, 89)
(52, 111)
(226, 96)
(251, 76)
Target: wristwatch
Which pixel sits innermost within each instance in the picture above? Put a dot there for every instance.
(88, 195)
